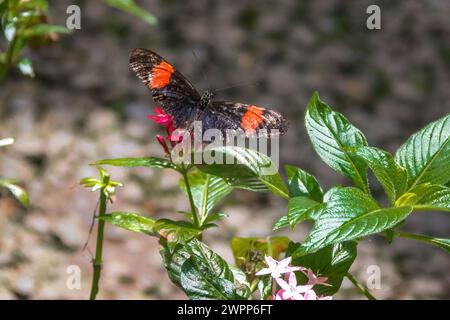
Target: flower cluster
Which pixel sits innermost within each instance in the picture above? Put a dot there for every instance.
(288, 288)
(174, 136)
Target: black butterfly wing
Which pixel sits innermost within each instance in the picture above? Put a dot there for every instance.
(249, 118)
(170, 89)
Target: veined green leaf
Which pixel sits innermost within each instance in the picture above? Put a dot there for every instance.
(131, 221)
(207, 190)
(240, 280)
(149, 162)
(331, 135)
(332, 262)
(173, 260)
(301, 183)
(199, 285)
(251, 170)
(426, 196)
(175, 232)
(205, 275)
(209, 261)
(283, 222)
(392, 176)
(426, 154)
(302, 208)
(350, 214)
(17, 191)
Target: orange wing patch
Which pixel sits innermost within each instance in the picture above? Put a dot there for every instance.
(252, 119)
(161, 74)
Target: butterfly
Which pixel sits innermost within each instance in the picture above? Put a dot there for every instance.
(178, 98)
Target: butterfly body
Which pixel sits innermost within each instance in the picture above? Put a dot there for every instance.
(179, 98)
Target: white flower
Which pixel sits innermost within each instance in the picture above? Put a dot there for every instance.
(277, 268)
(290, 291)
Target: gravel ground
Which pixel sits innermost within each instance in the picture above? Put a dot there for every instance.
(85, 104)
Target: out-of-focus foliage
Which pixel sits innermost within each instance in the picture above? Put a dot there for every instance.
(24, 23)
(131, 7)
(12, 185)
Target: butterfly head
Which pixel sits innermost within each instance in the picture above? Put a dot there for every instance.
(206, 98)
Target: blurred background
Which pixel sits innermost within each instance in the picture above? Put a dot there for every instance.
(86, 104)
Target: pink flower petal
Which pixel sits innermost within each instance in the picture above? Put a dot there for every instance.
(283, 284)
(284, 263)
(271, 262)
(264, 272)
(292, 279)
(325, 298)
(310, 295)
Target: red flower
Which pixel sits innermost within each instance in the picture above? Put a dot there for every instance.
(163, 143)
(174, 137)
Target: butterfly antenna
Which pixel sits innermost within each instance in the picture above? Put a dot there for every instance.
(200, 66)
(239, 84)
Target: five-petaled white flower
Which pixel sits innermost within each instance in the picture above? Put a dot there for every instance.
(290, 290)
(277, 268)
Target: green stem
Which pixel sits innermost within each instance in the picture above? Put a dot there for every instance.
(183, 172)
(414, 236)
(360, 287)
(97, 262)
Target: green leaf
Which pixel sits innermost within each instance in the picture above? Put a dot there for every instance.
(350, 214)
(207, 190)
(426, 154)
(43, 29)
(199, 285)
(205, 275)
(173, 260)
(105, 183)
(439, 242)
(301, 183)
(251, 170)
(331, 135)
(283, 222)
(26, 67)
(302, 208)
(214, 217)
(240, 280)
(6, 142)
(392, 176)
(175, 231)
(17, 191)
(131, 221)
(265, 287)
(332, 262)
(131, 7)
(426, 196)
(149, 162)
(209, 261)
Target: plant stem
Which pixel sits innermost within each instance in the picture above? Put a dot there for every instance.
(191, 199)
(97, 262)
(419, 237)
(360, 287)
